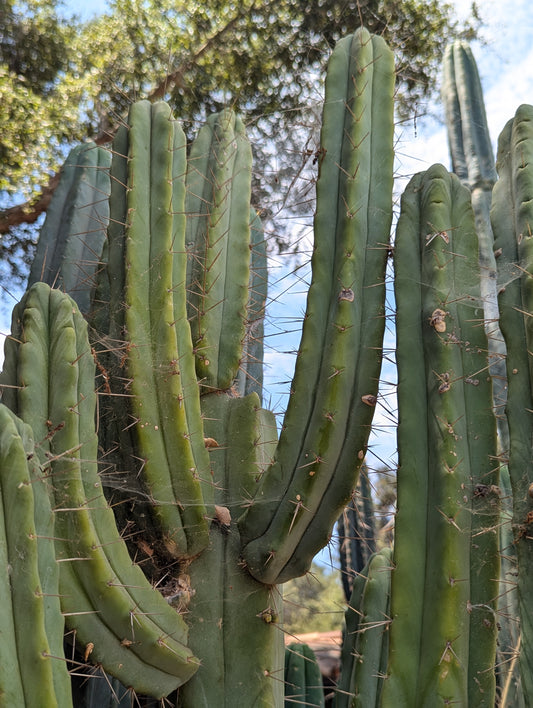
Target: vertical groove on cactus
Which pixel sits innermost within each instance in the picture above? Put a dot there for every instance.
(326, 427)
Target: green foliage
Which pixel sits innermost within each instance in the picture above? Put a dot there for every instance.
(63, 81)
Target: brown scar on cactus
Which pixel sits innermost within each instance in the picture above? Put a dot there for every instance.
(438, 320)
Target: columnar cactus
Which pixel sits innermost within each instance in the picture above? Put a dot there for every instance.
(222, 510)
(366, 635)
(446, 452)
(303, 680)
(512, 219)
(473, 161)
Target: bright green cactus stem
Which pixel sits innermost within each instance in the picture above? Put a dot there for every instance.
(147, 347)
(33, 668)
(73, 234)
(118, 617)
(303, 680)
(444, 585)
(512, 220)
(365, 645)
(325, 430)
(218, 242)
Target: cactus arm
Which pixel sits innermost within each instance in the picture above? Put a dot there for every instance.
(326, 426)
(303, 680)
(53, 331)
(149, 321)
(11, 690)
(511, 218)
(24, 597)
(108, 649)
(46, 559)
(364, 651)
(250, 376)
(72, 237)
(450, 437)
(219, 185)
(468, 135)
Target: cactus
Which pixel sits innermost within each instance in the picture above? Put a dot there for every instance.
(365, 645)
(303, 680)
(192, 466)
(473, 162)
(73, 234)
(356, 530)
(446, 457)
(185, 473)
(512, 216)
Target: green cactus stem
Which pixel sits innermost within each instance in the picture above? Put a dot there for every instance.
(365, 645)
(303, 680)
(512, 216)
(473, 162)
(73, 234)
(325, 430)
(218, 239)
(250, 376)
(27, 677)
(447, 449)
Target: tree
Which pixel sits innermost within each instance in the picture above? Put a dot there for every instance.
(314, 600)
(66, 80)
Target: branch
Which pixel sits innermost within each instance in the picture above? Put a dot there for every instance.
(30, 211)
(176, 77)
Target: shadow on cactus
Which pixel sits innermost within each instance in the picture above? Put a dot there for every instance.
(152, 514)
